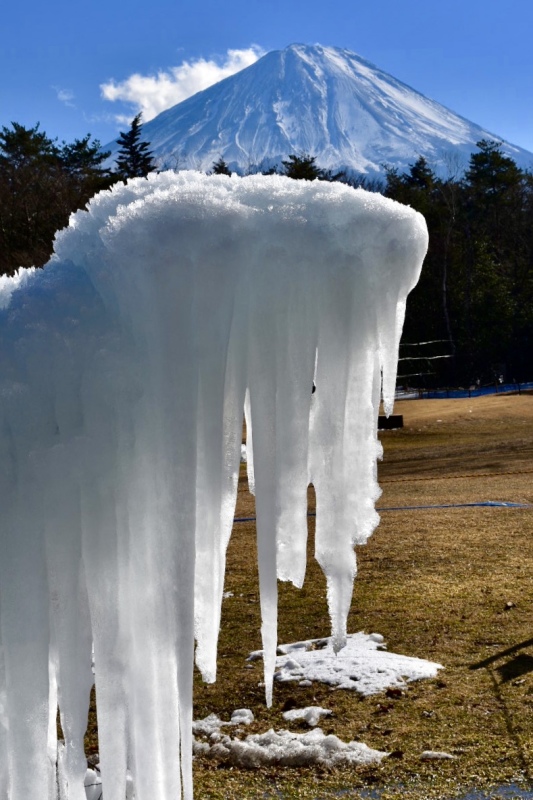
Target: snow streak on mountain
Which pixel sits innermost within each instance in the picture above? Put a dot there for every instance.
(324, 101)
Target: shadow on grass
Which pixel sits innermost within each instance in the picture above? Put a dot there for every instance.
(516, 667)
(496, 657)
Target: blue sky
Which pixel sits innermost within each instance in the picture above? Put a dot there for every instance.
(474, 57)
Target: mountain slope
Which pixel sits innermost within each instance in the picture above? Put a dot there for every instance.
(324, 101)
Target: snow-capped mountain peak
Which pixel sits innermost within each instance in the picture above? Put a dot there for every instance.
(325, 101)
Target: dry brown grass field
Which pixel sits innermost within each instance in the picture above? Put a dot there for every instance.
(453, 585)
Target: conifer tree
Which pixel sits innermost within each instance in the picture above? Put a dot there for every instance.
(82, 165)
(134, 160)
(41, 184)
(220, 167)
(302, 167)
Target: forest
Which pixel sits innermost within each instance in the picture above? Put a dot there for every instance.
(473, 304)
(469, 320)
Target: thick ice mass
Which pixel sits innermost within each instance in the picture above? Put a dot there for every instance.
(124, 368)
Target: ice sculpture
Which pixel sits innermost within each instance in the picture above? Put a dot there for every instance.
(124, 368)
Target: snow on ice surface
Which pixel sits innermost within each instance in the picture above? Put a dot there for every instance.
(8, 284)
(124, 368)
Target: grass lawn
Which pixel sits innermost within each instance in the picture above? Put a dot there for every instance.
(453, 585)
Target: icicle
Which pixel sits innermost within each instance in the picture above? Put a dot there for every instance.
(125, 365)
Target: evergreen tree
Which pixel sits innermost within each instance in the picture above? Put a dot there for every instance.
(30, 191)
(476, 287)
(41, 184)
(302, 167)
(428, 308)
(83, 159)
(495, 266)
(420, 175)
(490, 173)
(21, 147)
(82, 166)
(220, 167)
(134, 160)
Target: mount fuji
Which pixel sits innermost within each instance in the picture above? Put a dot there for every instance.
(324, 101)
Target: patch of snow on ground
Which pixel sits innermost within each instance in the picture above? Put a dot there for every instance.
(242, 716)
(364, 665)
(281, 748)
(210, 726)
(311, 714)
(436, 755)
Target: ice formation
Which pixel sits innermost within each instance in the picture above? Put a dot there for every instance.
(124, 368)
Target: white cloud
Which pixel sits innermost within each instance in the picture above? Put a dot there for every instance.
(152, 94)
(65, 96)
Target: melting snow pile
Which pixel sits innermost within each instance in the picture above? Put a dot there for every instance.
(362, 665)
(124, 369)
(287, 749)
(311, 715)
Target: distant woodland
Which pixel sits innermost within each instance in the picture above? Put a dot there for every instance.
(475, 295)
(469, 320)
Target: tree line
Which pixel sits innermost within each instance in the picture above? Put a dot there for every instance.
(470, 318)
(42, 182)
(473, 304)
